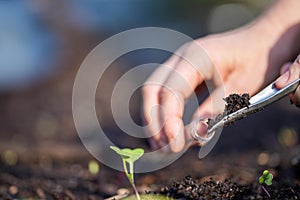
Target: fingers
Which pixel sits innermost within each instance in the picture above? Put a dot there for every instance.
(165, 91)
(152, 109)
(179, 85)
(295, 70)
(289, 74)
(151, 105)
(190, 71)
(173, 105)
(296, 97)
(285, 67)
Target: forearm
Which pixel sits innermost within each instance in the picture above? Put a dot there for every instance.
(282, 25)
(283, 14)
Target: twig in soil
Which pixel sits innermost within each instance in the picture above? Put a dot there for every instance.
(289, 188)
(118, 196)
(266, 191)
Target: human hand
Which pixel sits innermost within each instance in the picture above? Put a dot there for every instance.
(290, 72)
(243, 60)
(236, 62)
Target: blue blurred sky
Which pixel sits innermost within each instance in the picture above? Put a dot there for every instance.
(26, 46)
(30, 47)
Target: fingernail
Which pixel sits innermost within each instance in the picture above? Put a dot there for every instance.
(177, 144)
(283, 78)
(298, 60)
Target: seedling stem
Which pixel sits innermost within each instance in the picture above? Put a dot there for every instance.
(129, 156)
(266, 178)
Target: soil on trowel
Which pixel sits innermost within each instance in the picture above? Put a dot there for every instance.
(234, 102)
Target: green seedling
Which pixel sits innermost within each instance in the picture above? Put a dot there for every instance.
(266, 179)
(129, 156)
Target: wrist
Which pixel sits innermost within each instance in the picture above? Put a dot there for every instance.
(280, 27)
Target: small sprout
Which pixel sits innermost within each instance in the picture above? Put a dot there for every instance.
(93, 167)
(266, 178)
(9, 157)
(129, 156)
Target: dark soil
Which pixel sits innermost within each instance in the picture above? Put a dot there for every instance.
(188, 188)
(234, 102)
(42, 157)
(191, 189)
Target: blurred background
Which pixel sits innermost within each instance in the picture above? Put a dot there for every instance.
(42, 45)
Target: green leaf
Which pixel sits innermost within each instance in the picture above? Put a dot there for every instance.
(116, 149)
(120, 152)
(133, 154)
(266, 172)
(269, 179)
(261, 180)
(130, 155)
(266, 178)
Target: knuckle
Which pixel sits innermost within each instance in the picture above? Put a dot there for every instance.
(298, 60)
(183, 49)
(146, 117)
(147, 90)
(171, 97)
(171, 135)
(295, 68)
(164, 92)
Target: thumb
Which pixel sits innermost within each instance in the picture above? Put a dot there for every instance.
(292, 73)
(285, 75)
(289, 73)
(285, 67)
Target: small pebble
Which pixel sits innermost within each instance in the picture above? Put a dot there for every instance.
(262, 159)
(9, 157)
(122, 191)
(13, 190)
(288, 137)
(40, 193)
(70, 194)
(94, 167)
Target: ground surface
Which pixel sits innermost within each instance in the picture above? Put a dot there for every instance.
(226, 189)
(42, 156)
